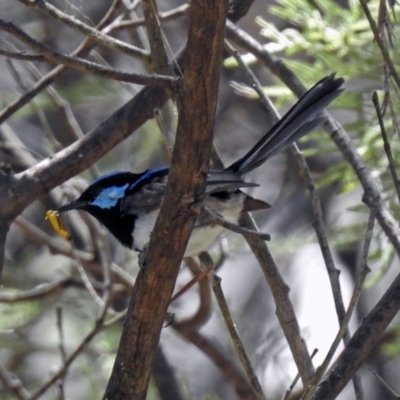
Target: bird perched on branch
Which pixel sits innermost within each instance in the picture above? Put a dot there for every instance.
(128, 204)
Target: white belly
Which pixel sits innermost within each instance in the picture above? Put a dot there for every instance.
(202, 237)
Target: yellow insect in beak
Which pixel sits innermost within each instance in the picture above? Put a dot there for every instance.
(55, 220)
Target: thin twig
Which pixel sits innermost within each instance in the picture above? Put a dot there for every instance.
(88, 284)
(129, 89)
(212, 216)
(168, 141)
(197, 278)
(228, 369)
(204, 311)
(382, 46)
(80, 64)
(13, 384)
(361, 344)
(318, 224)
(103, 251)
(158, 56)
(296, 379)
(350, 360)
(364, 270)
(279, 288)
(52, 75)
(22, 56)
(55, 244)
(87, 30)
(99, 327)
(382, 382)
(339, 336)
(61, 346)
(41, 291)
(237, 342)
(163, 16)
(333, 273)
(271, 111)
(64, 108)
(284, 307)
(39, 112)
(386, 144)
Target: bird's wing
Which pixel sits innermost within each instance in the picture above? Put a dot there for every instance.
(146, 194)
(146, 199)
(225, 181)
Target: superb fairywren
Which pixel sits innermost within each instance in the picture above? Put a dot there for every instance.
(128, 204)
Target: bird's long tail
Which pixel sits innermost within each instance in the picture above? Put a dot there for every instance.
(297, 122)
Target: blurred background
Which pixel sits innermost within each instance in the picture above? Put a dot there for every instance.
(314, 39)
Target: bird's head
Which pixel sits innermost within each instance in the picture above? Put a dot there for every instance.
(102, 199)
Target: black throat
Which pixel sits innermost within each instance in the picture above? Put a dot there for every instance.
(121, 226)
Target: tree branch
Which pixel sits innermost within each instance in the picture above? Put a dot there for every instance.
(87, 30)
(153, 289)
(22, 56)
(53, 74)
(86, 66)
(158, 56)
(361, 344)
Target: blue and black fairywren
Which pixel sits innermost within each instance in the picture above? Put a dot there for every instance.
(128, 204)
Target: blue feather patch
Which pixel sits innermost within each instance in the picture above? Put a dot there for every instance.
(150, 173)
(109, 197)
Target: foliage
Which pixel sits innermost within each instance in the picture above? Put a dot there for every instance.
(323, 37)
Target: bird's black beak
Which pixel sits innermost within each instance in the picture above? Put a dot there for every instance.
(73, 205)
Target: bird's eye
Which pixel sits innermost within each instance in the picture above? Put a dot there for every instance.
(95, 192)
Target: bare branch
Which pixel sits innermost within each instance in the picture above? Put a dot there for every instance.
(279, 289)
(335, 130)
(375, 323)
(22, 56)
(237, 342)
(86, 66)
(382, 46)
(61, 346)
(284, 307)
(361, 344)
(14, 385)
(386, 145)
(204, 312)
(99, 326)
(364, 270)
(228, 369)
(52, 75)
(216, 219)
(153, 288)
(162, 16)
(382, 382)
(158, 56)
(41, 291)
(93, 33)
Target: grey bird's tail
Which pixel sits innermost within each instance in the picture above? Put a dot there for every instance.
(297, 122)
